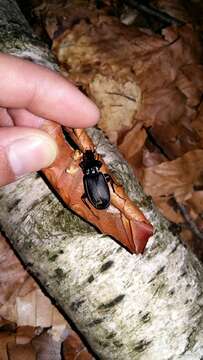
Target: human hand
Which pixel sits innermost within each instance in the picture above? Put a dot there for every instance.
(30, 95)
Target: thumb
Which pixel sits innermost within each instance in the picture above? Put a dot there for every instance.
(23, 150)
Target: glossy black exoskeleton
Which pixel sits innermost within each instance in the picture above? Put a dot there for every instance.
(95, 182)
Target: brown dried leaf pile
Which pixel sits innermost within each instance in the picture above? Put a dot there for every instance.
(30, 326)
(149, 89)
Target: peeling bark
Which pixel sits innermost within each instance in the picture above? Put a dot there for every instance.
(127, 306)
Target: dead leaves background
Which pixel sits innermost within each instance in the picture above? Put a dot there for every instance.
(149, 88)
(30, 326)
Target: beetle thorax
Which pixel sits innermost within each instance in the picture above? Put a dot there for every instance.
(90, 165)
(91, 170)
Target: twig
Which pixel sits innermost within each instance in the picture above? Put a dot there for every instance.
(122, 95)
(155, 143)
(190, 222)
(150, 10)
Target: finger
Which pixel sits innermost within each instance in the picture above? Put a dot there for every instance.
(44, 92)
(22, 117)
(24, 150)
(5, 118)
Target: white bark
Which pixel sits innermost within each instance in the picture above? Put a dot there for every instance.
(127, 306)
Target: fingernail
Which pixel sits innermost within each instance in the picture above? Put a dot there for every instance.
(31, 154)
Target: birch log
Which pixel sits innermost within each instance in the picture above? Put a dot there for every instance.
(127, 306)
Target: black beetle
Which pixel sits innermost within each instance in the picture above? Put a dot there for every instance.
(95, 182)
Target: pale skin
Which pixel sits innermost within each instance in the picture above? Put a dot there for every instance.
(31, 95)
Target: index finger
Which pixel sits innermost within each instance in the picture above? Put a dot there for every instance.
(43, 92)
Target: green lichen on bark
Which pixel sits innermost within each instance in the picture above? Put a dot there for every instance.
(11, 18)
(62, 219)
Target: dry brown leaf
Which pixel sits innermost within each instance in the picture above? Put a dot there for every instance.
(23, 303)
(166, 208)
(165, 70)
(21, 299)
(190, 82)
(157, 68)
(21, 352)
(66, 176)
(195, 203)
(5, 339)
(25, 334)
(46, 348)
(174, 8)
(74, 350)
(15, 344)
(12, 278)
(133, 143)
(152, 158)
(187, 11)
(115, 100)
(175, 177)
(29, 343)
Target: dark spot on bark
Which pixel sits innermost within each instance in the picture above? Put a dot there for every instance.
(13, 205)
(101, 343)
(119, 249)
(27, 245)
(76, 304)
(112, 303)
(146, 317)
(171, 292)
(49, 201)
(60, 274)
(191, 340)
(159, 289)
(90, 279)
(106, 266)
(34, 205)
(183, 274)
(95, 322)
(60, 213)
(141, 345)
(175, 248)
(53, 257)
(159, 272)
(111, 335)
(117, 343)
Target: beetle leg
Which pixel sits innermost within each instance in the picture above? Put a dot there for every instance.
(77, 155)
(109, 179)
(97, 157)
(83, 198)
